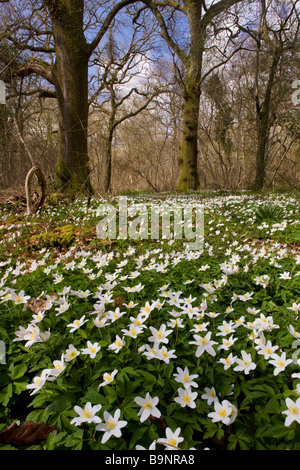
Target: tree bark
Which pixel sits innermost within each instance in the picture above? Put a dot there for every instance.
(199, 16)
(263, 122)
(70, 76)
(189, 142)
(108, 156)
(191, 98)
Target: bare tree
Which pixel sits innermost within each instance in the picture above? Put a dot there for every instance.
(61, 35)
(127, 89)
(275, 39)
(197, 17)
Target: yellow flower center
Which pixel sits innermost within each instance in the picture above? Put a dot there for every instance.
(86, 413)
(172, 441)
(222, 412)
(294, 409)
(186, 398)
(110, 424)
(186, 378)
(203, 341)
(148, 405)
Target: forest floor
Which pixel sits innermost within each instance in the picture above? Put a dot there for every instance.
(189, 327)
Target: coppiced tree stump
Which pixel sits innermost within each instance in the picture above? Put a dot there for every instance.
(34, 202)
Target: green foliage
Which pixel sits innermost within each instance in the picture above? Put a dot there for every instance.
(268, 211)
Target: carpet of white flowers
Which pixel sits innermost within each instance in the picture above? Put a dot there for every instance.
(143, 344)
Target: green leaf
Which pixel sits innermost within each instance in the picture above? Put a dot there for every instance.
(211, 430)
(54, 440)
(278, 431)
(232, 442)
(220, 433)
(111, 395)
(148, 376)
(19, 386)
(6, 394)
(95, 398)
(18, 371)
(272, 406)
(75, 440)
(161, 382)
(131, 371)
(137, 436)
(38, 415)
(40, 399)
(130, 414)
(58, 405)
(4, 379)
(169, 369)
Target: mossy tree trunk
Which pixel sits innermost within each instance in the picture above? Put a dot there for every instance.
(108, 154)
(263, 124)
(191, 98)
(189, 142)
(199, 17)
(70, 76)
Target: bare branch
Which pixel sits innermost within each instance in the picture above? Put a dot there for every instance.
(106, 23)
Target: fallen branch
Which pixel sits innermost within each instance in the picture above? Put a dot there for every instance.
(33, 203)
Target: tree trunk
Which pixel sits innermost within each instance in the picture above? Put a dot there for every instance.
(189, 143)
(263, 121)
(70, 76)
(262, 135)
(108, 157)
(191, 97)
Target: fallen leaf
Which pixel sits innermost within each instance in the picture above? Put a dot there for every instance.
(27, 434)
